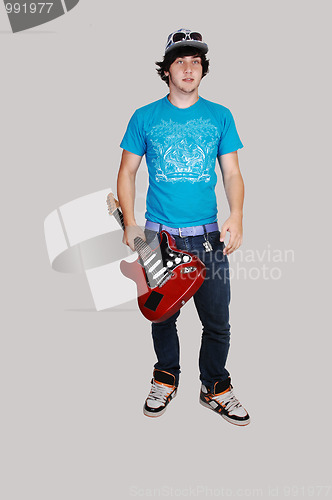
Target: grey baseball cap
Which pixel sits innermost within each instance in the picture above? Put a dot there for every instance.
(185, 37)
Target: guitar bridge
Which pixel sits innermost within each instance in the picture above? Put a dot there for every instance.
(165, 279)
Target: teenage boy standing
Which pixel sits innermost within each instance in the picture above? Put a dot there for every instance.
(182, 135)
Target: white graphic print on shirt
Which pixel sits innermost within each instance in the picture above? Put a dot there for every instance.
(184, 151)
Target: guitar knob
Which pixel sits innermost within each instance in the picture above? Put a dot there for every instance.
(177, 260)
(186, 258)
(169, 263)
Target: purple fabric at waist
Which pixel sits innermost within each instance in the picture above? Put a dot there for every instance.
(182, 231)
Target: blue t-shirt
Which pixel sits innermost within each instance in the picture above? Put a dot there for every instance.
(181, 147)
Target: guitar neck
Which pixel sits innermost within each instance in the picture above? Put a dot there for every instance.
(119, 217)
(141, 247)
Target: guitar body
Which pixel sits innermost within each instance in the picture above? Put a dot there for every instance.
(166, 281)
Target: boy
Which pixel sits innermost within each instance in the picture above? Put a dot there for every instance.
(181, 135)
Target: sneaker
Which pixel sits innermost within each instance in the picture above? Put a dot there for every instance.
(224, 402)
(162, 392)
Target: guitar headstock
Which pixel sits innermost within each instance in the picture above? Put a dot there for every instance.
(112, 203)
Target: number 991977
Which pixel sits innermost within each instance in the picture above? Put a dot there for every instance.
(29, 8)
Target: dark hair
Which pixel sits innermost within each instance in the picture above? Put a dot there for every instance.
(170, 57)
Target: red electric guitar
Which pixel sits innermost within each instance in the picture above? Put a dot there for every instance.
(166, 277)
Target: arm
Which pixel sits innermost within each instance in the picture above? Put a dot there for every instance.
(130, 163)
(234, 188)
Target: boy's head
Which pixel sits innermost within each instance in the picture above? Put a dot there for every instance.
(183, 43)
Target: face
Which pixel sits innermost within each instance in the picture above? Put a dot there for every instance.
(185, 74)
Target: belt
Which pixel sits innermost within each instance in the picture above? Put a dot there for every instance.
(183, 231)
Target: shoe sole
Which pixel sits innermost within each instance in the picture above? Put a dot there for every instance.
(231, 421)
(154, 415)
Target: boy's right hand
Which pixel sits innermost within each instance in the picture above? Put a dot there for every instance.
(130, 233)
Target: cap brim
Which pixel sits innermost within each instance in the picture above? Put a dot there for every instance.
(189, 43)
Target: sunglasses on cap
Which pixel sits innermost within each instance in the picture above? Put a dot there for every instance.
(184, 35)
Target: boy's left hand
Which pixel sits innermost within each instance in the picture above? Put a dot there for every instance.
(234, 226)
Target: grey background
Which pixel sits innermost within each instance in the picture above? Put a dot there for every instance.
(73, 381)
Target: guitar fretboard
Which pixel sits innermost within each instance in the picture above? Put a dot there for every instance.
(152, 261)
(142, 248)
(119, 217)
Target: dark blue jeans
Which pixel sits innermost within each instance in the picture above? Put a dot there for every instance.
(212, 304)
